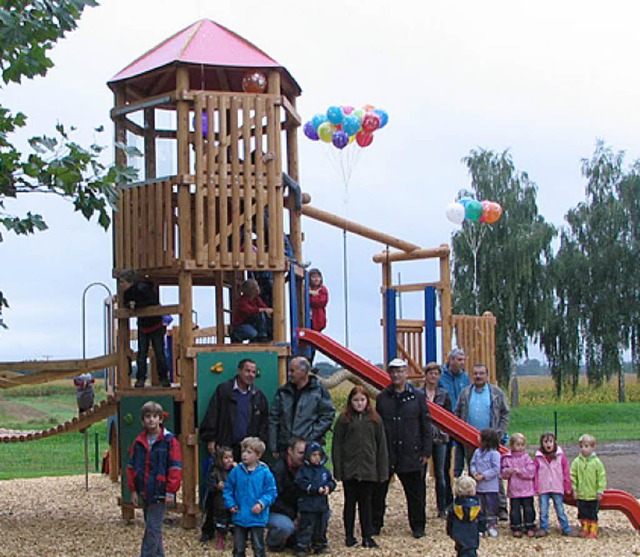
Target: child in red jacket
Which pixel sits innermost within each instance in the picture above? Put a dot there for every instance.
(318, 299)
(249, 319)
(154, 474)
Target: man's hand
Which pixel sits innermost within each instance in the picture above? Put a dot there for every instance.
(134, 498)
(324, 490)
(220, 486)
(233, 510)
(424, 460)
(211, 447)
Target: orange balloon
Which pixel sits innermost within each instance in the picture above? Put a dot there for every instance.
(494, 212)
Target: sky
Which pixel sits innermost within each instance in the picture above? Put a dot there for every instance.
(544, 80)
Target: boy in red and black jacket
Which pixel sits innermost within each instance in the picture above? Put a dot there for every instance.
(154, 474)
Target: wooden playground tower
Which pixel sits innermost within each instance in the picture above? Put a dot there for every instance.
(218, 197)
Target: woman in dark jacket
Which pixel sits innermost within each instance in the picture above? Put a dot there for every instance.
(360, 461)
(439, 439)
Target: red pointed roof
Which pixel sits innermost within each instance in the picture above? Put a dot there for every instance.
(203, 42)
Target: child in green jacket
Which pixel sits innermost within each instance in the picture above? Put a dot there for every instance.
(588, 481)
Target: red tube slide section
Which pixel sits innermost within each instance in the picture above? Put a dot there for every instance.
(613, 499)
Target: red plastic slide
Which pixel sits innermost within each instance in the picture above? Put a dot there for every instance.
(613, 499)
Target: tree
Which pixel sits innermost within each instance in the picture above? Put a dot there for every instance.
(501, 267)
(596, 276)
(55, 164)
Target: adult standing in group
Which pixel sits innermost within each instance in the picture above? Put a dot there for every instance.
(405, 415)
(454, 379)
(237, 409)
(302, 408)
(484, 405)
(439, 439)
(284, 511)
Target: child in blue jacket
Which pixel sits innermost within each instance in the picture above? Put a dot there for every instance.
(315, 483)
(154, 474)
(248, 493)
(462, 519)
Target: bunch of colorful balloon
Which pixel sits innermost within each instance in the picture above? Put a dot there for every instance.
(342, 125)
(473, 210)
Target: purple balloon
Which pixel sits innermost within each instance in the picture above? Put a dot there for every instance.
(205, 123)
(310, 132)
(340, 139)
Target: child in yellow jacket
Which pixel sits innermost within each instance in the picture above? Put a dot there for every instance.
(588, 481)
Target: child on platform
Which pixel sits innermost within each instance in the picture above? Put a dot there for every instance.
(315, 483)
(360, 461)
(462, 518)
(154, 473)
(249, 320)
(248, 493)
(485, 470)
(588, 481)
(217, 518)
(552, 481)
(318, 300)
(518, 469)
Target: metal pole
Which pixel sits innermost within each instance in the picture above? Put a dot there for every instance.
(346, 288)
(555, 423)
(84, 314)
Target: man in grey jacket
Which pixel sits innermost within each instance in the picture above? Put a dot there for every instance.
(301, 408)
(485, 406)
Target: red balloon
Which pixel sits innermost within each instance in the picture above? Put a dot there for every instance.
(254, 82)
(370, 122)
(364, 139)
(486, 207)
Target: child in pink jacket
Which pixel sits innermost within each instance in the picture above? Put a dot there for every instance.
(552, 481)
(517, 467)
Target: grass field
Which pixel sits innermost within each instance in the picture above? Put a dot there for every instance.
(39, 407)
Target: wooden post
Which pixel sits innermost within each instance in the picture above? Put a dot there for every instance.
(189, 441)
(184, 195)
(445, 306)
(149, 143)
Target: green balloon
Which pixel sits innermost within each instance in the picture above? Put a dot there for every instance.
(473, 210)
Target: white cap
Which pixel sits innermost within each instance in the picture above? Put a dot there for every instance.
(397, 362)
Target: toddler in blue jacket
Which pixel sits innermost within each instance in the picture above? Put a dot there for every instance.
(248, 493)
(315, 483)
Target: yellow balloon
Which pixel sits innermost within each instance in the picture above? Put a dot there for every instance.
(325, 131)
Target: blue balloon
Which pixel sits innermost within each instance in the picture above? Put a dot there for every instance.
(384, 117)
(318, 120)
(465, 201)
(351, 124)
(335, 114)
(310, 132)
(340, 139)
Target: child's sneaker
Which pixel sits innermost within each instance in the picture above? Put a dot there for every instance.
(493, 532)
(541, 533)
(530, 533)
(517, 534)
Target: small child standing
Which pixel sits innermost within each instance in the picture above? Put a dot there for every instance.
(248, 493)
(588, 481)
(315, 484)
(518, 469)
(360, 461)
(217, 518)
(154, 474)
(551, 482)
(485, 470)
(318, 300)
(462, 518)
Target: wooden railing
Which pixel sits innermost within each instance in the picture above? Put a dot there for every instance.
(229, 213)
(410, 342)
(476, 336)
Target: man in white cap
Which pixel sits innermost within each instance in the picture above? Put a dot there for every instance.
(407, 423)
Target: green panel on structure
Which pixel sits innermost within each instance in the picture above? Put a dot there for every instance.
(130, 425)
(216, 367)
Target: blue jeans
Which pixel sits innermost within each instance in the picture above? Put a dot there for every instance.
(559, 505)
(152, 541)
(281, 528)
(240, 535)
(439, 455)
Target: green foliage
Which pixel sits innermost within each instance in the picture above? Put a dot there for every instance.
(595, 277)
(56, 164)
(501, 267)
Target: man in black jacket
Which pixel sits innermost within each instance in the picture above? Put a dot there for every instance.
(141, 293)
(237, 409)
(407, 424)
(283, 515)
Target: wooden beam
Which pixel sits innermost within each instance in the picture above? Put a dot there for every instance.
(350, 226)
(151, 311)
(420, 253)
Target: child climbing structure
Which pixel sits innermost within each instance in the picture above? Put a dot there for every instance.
(218, 202)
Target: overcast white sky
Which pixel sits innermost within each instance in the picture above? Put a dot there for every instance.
(544, 80)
